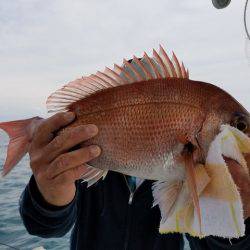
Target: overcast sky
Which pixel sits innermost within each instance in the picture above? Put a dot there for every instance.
(44, 44)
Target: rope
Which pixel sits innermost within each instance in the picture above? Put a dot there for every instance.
(245, 19)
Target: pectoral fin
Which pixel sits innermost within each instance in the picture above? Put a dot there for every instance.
(191, 180)
(165, 195)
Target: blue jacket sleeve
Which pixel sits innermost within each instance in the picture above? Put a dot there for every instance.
(216, 243)
(42, 219)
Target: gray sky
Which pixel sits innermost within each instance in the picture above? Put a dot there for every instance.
(45, 44)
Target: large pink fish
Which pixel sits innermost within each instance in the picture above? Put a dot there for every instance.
(156, 123)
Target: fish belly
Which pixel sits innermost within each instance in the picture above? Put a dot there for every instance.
(143, 140)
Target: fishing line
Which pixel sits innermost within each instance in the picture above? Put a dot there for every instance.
(245, 20)
(9, 246)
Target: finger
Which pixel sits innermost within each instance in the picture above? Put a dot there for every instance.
(69, 139)
(71, 175)
(44, 133)
(72, 159)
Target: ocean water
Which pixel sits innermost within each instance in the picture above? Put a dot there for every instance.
(12, 231)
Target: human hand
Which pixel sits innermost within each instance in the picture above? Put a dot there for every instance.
(54, 168)
(242, 180)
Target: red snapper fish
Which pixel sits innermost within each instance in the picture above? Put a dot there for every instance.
(155, 123)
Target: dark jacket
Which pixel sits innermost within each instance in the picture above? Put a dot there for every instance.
(103, 219)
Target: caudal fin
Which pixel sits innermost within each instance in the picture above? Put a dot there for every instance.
(20, 134)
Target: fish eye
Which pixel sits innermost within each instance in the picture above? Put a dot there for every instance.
(240, 122)
(241, 125)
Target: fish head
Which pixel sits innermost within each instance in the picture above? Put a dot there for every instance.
(227, 165)
(222, 109)
(230, 111)
(233, 117)
(241, 121)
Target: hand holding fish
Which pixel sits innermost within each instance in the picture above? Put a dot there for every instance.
(54, 168)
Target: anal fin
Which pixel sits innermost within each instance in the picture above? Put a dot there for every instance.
(165, 195)
(175, 203)
(92, 175)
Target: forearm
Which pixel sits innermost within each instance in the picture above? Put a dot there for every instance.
(42, 219)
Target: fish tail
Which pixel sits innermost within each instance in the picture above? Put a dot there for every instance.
(20, 134)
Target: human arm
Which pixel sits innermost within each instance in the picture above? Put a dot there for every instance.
(48, 204)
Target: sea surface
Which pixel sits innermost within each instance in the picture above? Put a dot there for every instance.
(12, 231)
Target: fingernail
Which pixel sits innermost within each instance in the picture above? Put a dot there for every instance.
(69, 116)
(91, 129)
(95, 150)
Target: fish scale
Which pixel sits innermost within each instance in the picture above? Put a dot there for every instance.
(180, 91)
(137, 131)
(144, 133)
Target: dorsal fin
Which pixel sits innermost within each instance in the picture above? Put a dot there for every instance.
(159, 66)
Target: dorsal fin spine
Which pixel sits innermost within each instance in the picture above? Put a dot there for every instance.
(106, 84)
(110, 79)
(106, 78)
(160, 62)
(178, 67)
(77, 85)
(114, 75)
(94, 78)
(55, 100)
(84, 83)
(67, 88)
(143, 68)
(126, 74)
(133, 75)
(147, 68)
(168, 62)
(150, 62)
(55, 110)
(59, 96)
(138, 76)
(68, 93)
(94, 83)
